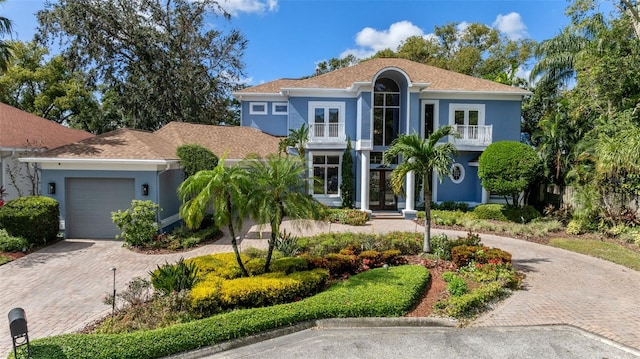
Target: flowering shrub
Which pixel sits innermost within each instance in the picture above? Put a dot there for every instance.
(463, 255)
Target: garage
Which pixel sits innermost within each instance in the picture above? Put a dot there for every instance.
(89, 203)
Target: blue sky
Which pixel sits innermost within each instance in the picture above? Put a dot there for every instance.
(287, 38)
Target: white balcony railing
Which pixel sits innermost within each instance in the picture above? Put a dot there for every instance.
(327, 132)
(473, 135)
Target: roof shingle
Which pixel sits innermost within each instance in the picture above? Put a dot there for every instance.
(439, 79)
(20, 129)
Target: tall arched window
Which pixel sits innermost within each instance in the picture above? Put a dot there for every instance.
(386, 112)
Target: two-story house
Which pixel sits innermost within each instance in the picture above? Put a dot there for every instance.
(374, 102)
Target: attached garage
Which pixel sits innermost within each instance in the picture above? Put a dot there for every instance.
(90, 202)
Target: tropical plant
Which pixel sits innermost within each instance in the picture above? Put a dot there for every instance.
(278, 191)
(421, 157)
(223, 189)
(5, 48)
(170, 278)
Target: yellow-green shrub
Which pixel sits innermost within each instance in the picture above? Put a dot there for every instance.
(285, 265)
(213, 295)
(223, 265)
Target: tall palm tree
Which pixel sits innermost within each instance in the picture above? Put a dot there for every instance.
(222, 189)
(278, 191)
(5, 48)
(422, 157)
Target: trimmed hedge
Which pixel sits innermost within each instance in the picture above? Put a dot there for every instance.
(469, 304)
(34, 218)
(408, 243)
(375, 293)
(500, 212)
(213, 295)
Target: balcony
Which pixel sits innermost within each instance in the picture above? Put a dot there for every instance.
(327, 133)
(473, 135)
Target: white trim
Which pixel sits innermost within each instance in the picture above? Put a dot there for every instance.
(436, 115)
(169, 220)
(319, 92)
(255, 112)
(462, 173)
(259, 97)
(469, 96)
(276, 104)
(364, 180)
(86, 164)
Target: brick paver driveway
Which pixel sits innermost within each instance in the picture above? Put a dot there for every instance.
(62, 286)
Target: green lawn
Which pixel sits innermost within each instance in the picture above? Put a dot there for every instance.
(600, 249)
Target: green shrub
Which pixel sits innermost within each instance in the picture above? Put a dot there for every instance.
(287, 244)
(456, 285)
(524, 214)
(176, 277)
(34, 218)
(9, 243)
(352, 217)
(210, 297)
(196, 158)
(408, 243)
(137, 223)
(441, 245)
(575, 227)
(285, 265)
(468, 305)
(490, 211)
(463, 255)
(492, 272)
(375, 293)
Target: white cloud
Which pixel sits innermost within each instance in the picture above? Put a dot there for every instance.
(234, 7)
(511, 25)
(371, 40)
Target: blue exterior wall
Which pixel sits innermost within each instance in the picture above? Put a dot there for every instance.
(469, 190)
(366, 116)
(501, 114)
(168, 196)
(272, 124)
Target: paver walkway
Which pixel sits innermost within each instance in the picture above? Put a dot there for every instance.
(62, 286)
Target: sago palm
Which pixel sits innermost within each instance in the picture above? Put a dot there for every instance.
(222, 189)
(278, 191)
(421, 157)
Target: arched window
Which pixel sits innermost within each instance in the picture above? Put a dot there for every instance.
(386, 112)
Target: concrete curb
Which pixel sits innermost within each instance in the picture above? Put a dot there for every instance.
(315, 324)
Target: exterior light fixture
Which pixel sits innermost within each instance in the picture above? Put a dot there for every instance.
(52, 188)
(145, 189)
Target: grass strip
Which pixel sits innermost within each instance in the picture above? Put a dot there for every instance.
(611, 252)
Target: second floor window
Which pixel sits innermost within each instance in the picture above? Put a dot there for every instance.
(386, 112)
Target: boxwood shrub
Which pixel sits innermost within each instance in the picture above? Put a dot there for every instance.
(34, 218)
(375, 293)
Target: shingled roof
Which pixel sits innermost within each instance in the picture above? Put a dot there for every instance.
(20, 129)
(127, 144)
(437, 78)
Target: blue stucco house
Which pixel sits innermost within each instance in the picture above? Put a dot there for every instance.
(374, 102)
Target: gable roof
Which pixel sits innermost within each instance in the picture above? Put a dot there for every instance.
(365, 71)
(20, 129)
(127, 144)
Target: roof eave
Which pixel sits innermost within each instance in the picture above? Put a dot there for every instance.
(470, 92)
(94, 160)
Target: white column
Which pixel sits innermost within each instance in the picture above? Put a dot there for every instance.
(485, 195)
(364, 180)
(409, 211)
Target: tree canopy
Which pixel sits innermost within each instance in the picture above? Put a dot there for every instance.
(5, 47)
(155, 61)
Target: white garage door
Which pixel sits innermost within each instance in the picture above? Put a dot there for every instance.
(89, 203)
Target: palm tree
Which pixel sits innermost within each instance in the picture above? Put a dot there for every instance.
(422, 157)
(222, 189)
(278, 191)
(5, 48)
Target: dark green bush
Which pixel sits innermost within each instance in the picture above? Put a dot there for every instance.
(408, 243)
(375, 293)
(34, 218)
(469, 304)
(491, 211)
(170, 278)
(196, 158)
(524, 214)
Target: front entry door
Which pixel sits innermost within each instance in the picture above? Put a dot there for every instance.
(381, 196)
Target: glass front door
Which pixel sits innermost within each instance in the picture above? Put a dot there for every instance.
(381, 196)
